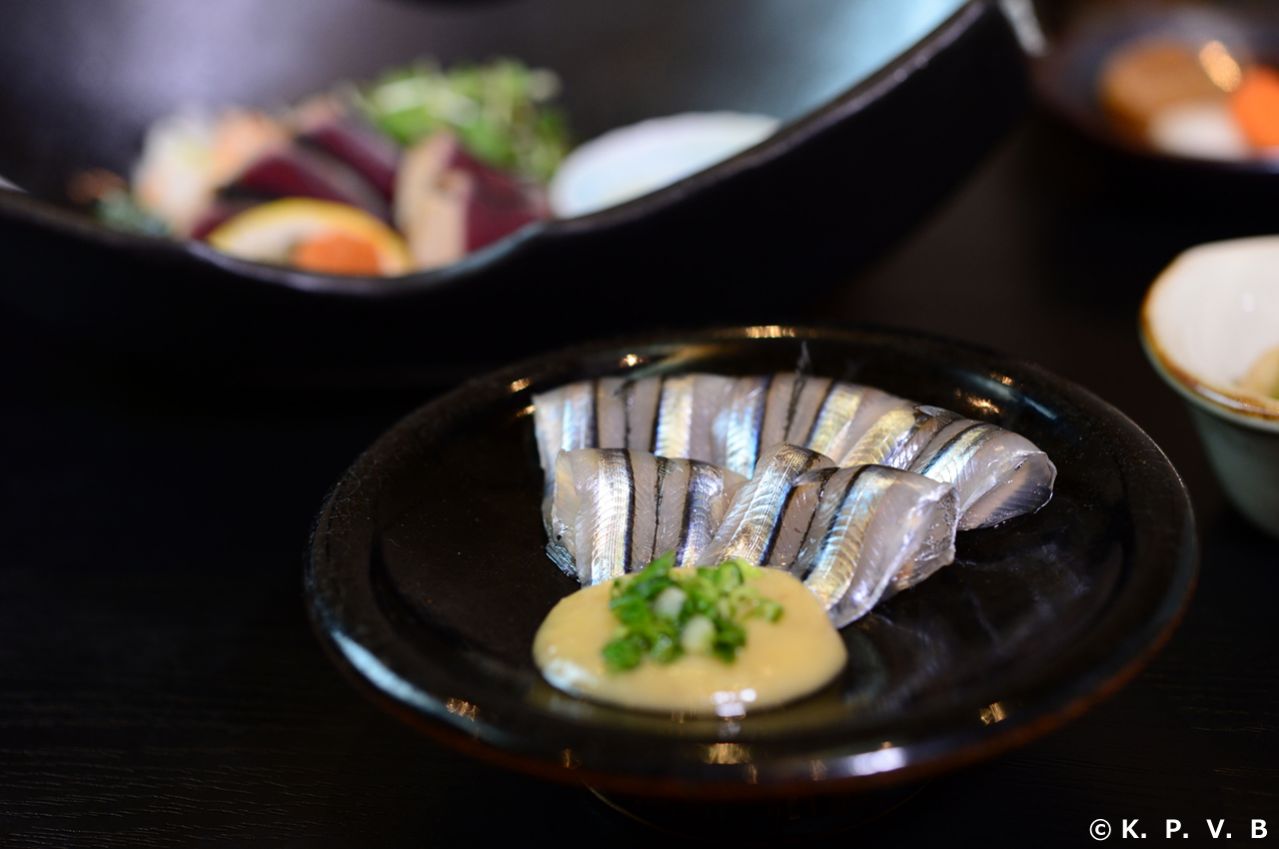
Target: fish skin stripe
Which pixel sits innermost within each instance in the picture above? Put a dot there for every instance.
(950, 443)
(759, 419)
(821, 408)
(657, 500)
(694, 471)
(657, 413)
(830, 531)
(628, 398)
(777, 525)
(629, 544)
(796, 389)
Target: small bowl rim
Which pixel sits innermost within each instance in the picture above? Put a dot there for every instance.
(1223, 401)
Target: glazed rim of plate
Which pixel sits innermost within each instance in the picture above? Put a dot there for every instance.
(1128, 632)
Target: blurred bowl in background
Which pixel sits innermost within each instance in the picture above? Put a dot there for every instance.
(1159, 83)
(884, 108)
(1207, 324)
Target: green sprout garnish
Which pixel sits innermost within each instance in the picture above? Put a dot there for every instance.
(500, 111)
(663, 616)
(119, 210)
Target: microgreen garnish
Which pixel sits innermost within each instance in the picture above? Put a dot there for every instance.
(500, 111)
(663, 615)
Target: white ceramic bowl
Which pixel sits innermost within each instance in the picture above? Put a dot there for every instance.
(633, 161)
(1205, 321)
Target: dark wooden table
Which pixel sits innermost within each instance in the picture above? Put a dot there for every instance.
(162, 686)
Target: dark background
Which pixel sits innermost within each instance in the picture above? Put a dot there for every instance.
(161, 686)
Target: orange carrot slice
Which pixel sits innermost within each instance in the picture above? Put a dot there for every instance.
(1255, 105)
(332, 252)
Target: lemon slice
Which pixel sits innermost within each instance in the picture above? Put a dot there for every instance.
(317, 235)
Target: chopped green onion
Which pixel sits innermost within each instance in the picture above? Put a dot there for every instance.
(669, 603)
(698, 636)
(663, 616)
(624, 652)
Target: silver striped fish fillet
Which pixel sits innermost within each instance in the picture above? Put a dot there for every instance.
(670, 416)
(997, 474)
(615, 510)
(876, 530)
(733, 422)
(768, 516)
(722, 420)
(817, 413)
(738, 429)
(897, 434)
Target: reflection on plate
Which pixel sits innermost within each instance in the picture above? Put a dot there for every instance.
(427, 580)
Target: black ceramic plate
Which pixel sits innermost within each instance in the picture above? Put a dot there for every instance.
(868, 92)
(427, 581)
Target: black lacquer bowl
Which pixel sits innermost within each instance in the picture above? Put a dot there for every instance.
(427, 581)
(886, 106)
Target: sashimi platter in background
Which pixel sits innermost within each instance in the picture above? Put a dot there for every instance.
(409, 173)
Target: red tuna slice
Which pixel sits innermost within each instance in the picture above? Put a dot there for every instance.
(374, 157)
(299, 172)
(327, 123)
(448, 203)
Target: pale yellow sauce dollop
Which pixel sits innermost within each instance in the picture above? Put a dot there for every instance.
(780, 662)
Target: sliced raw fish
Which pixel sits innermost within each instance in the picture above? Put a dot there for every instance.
(779, 408)
(797, 518)
(808, 399)
(575, 416)
(372, 155)
(564, 420)
(766, 520)
(330, 123)
(896, 436)
(739, 425)
(828, 431)
(297, 171)
(615, 510)
(448, 203)
(875, 528)
(818, 413)
(823, 415)
(847, 414)
(686, 410)
(668, 416)
(997, 474)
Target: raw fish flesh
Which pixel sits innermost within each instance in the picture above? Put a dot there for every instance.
(997, 474)
(875, 529)
(766, 521)
(615, 510)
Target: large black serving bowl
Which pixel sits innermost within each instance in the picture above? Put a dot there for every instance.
(886, 106)
(1083, 35)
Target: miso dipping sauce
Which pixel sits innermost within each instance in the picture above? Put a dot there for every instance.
(781, 661)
